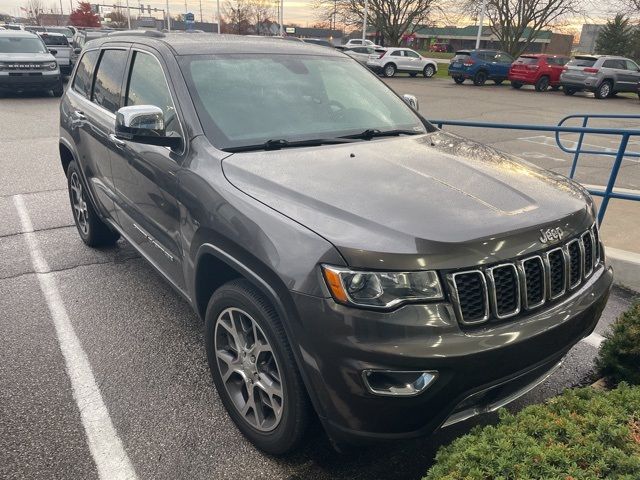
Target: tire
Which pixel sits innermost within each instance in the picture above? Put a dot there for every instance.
(498, 81)
(569, 91)
(58, 91)
(240, 304)
(413, 74)
(480, 78)
(389, 70)
(516, 85)
(604, 90)
(429, 71)
(458, 80)
(542, 84)
(93, 231)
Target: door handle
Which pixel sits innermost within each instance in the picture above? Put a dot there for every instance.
(79, 115)
(116, 141)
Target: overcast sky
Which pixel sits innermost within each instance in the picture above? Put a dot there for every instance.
(295, 11)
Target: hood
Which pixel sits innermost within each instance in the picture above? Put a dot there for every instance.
(26, 57)
(434, 200)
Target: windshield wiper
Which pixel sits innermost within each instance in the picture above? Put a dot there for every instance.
(282, 143)
(370, 133)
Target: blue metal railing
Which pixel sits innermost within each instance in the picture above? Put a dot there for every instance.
(620, 153)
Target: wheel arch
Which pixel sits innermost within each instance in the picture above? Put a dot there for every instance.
(66, 154)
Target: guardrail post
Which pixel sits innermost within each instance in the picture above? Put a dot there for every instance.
(613, 176)
(578, 148)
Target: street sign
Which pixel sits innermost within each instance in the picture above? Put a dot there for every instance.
(290, 30)
(189, 17)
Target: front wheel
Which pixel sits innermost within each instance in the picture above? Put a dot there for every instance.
(458, 80)
(429, 71)
(253, 368)
(389, 70)
(569, 91)
(93, 231)
(479, 78)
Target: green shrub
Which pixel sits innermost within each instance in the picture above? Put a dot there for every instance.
(582, 434)
(619, 356)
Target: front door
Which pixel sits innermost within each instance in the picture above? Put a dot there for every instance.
(145, 175)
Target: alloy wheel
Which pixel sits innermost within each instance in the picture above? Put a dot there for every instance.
(429, 71)
(79, 204)
(389, 70)
(605, 90)
(249, 369)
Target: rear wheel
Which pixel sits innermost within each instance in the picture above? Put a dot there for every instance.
(253, 368)
(458, 80)
(604, 90)
(569, 90)
(480, 78)
(429, 71)
(542, 84)
(93, 231)
(516, 85)
(389, 70)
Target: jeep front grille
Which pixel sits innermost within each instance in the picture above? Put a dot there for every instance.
(504, 290)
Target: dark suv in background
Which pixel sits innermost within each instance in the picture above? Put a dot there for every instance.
(349, 260)
(480, 66)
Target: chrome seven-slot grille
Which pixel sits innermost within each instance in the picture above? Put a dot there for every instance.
(506, 289)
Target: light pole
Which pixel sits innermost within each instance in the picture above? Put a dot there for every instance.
(364, 21)
(218, 12)
(128, 16)
(168, 18)
(281, 18)
(482, 8)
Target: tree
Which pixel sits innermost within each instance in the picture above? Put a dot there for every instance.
(117, 19)
(237, 14)
(517, 23)
(391, 19)
(616, 37)
(84, 17)
(35, 8)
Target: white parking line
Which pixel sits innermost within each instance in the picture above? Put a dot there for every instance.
(595, 339)
(571, 144)
(106, 448)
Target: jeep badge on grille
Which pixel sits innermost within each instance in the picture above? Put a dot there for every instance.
(551, 235)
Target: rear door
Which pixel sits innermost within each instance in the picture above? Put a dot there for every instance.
(630, 76)
(398, 58)
(145, 175)
(500, 65)
(90, 124)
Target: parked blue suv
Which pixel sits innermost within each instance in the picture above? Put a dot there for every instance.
(480, 66)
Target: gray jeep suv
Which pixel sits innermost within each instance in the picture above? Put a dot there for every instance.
(604, 75)
(349, 259)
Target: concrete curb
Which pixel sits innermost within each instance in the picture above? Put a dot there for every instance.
(626, 267)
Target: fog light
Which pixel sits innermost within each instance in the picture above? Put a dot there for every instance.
(397, 383)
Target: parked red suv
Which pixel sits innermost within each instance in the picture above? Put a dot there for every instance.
(541, 70)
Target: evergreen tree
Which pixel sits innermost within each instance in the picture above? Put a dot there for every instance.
(616, 37)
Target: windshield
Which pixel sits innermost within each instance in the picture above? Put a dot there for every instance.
(59, 40)
(293, 98)
(21, 45)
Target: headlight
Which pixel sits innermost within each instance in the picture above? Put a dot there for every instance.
(381, 289)
(52, 65)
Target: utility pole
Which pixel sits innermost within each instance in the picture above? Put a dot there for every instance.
(482, 9)
(128, 16)
(200, 11)
(168, 18)
(282, 18)
(364, 21)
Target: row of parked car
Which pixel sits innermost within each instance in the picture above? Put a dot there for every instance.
(604, 75)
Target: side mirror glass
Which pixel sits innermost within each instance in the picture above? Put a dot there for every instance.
(77, 51)
(144, 124)
(412, 101)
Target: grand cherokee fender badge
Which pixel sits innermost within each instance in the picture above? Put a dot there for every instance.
(551, 235)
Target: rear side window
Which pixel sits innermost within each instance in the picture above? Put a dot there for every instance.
(84, 73)
(582, 62)
(106, 91)
(396, 53)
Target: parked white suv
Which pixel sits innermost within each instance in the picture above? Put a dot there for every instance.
(394, 60)
(356, 42)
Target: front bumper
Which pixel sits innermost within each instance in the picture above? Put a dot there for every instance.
(478, 369)
(27, 81)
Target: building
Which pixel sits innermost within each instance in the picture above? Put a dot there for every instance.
(588, 37)
(53, 19)
(459, 38)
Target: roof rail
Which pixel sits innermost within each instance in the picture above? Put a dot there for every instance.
(137, 33)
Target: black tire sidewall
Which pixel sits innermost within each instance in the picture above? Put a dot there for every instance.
(241, 294)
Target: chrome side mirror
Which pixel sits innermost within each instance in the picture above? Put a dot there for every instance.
(412, 101)
(144, 124)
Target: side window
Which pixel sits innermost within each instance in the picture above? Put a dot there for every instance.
(411, 54)
(106, 91)
(396, 53)
(503, 58)
(147, 86)
(631, 66)
(84, 73)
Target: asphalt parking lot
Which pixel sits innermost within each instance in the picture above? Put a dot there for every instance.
(143, 344)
